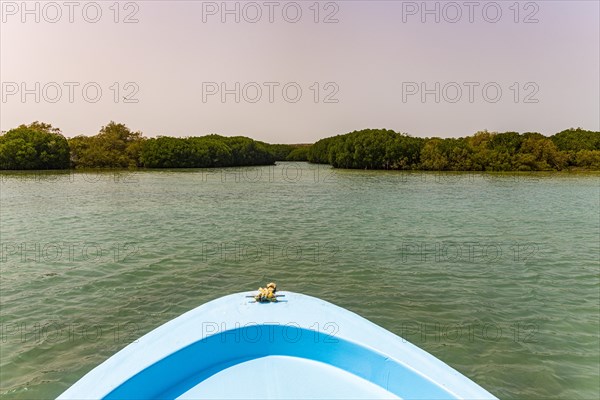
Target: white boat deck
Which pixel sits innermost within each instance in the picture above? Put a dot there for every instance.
(284, 377)
(300, 347)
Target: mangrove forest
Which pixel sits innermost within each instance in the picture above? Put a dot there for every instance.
(41, 146)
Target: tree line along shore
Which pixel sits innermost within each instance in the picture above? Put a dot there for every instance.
(40, 146)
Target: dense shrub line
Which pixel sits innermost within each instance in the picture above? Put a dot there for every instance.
(484, 151)
(40, 146)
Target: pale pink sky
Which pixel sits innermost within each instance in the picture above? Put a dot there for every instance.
(375, 61)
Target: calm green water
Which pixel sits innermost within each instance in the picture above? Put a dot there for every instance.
(497, 275)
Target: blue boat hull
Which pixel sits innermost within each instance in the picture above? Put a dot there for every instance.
(299, 347)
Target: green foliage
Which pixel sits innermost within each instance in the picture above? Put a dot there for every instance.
(245, 151)
(281, 151)
(300, 153)
(204, 152)
(540, 153)
(368, 149)
(576, 140)
(40, 146)
(319, 152)
(484, 151)
(588, 159)
(115, 146)
(288, 152)
(34, 146)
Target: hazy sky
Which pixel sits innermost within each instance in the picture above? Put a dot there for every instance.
(292, 72)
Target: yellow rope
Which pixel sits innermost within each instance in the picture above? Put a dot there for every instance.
(266, 294)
